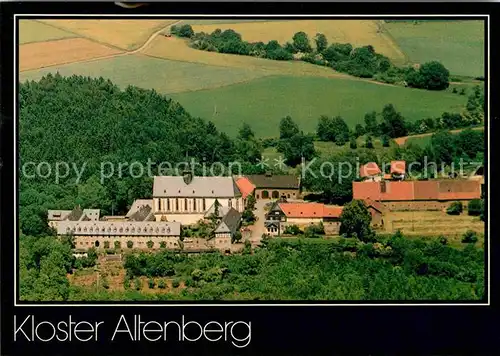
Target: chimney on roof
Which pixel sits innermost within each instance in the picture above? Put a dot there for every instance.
(187, 176)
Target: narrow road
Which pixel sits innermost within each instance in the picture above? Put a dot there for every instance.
(402, 140)
(258, 228)
(125, 53)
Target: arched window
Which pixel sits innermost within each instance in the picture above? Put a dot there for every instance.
(79, 229)
(121, 229)
(126, 229)
(230, 203)
(176, 204)
(204, 205)
(168, 229)
(194, 204)
(185, 204)
(84, 229)
(68, 229)
(168, 204)
(133, 229)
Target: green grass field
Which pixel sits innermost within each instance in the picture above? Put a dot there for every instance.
(151, 73)
(33, 31)
(459, 45)
(264, 101)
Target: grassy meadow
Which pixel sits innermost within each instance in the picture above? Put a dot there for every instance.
(459, 45)
(264, 101)
(151, 73)
(35, 31)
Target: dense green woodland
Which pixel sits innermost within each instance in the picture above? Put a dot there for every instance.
(305, 269)
(81, 120)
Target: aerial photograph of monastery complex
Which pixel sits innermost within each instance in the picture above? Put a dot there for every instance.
(251, 159)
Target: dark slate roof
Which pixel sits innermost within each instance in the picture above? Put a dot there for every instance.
(230, 222)
(268, 223)
(75, 214)
(141, 214)
(276, 182)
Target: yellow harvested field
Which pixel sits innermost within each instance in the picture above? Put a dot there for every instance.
(35, 31)
(356, 32)
(177, 49)
(433, 223)
(46, 54)
(125, 34)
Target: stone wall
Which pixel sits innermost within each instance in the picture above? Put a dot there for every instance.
(420, 205)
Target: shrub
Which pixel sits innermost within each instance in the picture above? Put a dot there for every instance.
(469, 237)
(151, 283)
(163, 244)
(352, 143)
(455, 208)
(292, 230)
(150, 244)
(454, 91)
(161, 284)
(137, 284)
(126, 282)
(462, 92)
(369, 143)
(105, 283)
(130, 244)
(475, 207)
(176, 283)
(385, 141)
(110, 251)
(118, 244)
(106, 244)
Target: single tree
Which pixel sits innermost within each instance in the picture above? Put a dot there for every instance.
(288, 128)
(356, 219)
(301, 42)
(321, 42)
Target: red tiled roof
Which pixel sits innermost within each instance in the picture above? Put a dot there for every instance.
(369, 169)
(302, 210)
(374, 204)
(310, 210)
(398, 167)
(245, 186)
(418, 190)
(330, 211)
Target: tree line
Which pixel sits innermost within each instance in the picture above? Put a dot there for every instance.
(386, 268)
(362, 62)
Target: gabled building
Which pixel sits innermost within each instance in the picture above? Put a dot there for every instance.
(186, 199)
(302, 214)
(246, 188)
(77, 214)
(370, 172)
(398, 170)
(418, 195)
(268, 186)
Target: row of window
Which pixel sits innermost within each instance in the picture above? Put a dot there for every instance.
(120, 230)
(162, 206)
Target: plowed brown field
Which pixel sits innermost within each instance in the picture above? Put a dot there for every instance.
(45, 54)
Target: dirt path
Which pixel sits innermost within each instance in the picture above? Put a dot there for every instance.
(402, 140)
(124, 53)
